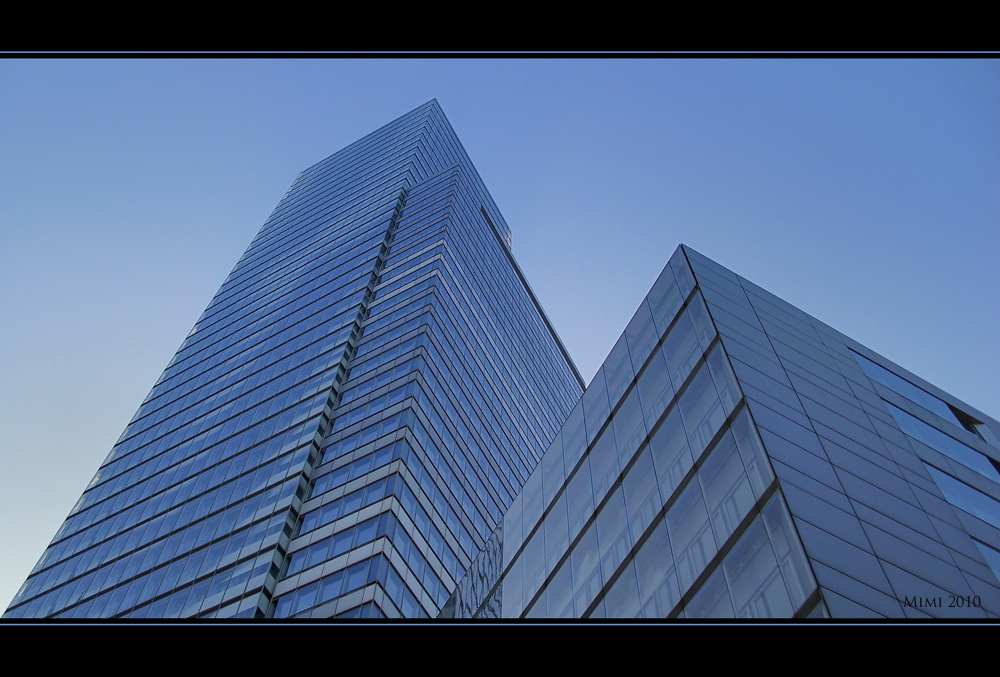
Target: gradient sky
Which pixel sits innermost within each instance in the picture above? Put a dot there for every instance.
(866, 192)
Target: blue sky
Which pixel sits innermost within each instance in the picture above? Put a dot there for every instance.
(866, 192)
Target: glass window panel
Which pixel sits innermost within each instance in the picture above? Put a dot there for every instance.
(599, 611)
(618, 370)
(356, 576)
(657, 579)
(752, 452)
(691, 535)
(556, 533)
(622, 600)
(341, 543)
(655, 389)
(664, 299)
(595, 405)
(604, 464)
(961, 495)
(553, 472)
(754, 580)
(791, 558)
(176, 603)
(681, 349)
(587, 579)
(946, 444)
(533, 561)
(532, 499)
(512, 538)
(574, 434)
(365, 531)
(559, 594)
(701, 320)
(538, 607)
(579, 499)
(511, 591)
(241, 574)
(991, 556)
(702, 411)
(305, 598)
(394, 585)
(642, 498)
(713, 600)
(316, 554)
(725, 379)
(727, 490)
(983, 430)
(630, 429)
(670, 453)
(911, 392)
(283, 607)
(682, 271)
(642, 335)
(613, 533)
(351, 502)
(219, 583)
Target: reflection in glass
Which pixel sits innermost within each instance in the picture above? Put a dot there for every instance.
(946, 444)
(754, 579)
(622, 600)
(630, 430)
(670, 453)
(691, 535)
(961, 495)
(664, 299)
(604, 464)
(641, 495)
(702, 411)
(655, 389)
(713, 600)
(654, 565)
(585, 561)
(792, 562)
(755, 461)
(618, 371)
(595, 404)
(613, 533)
(579, 499)
(727, 489)
(642, 335)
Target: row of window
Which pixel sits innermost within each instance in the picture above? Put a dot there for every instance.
(386, 526)
(957, 493)
(922, 398)
(377, 569)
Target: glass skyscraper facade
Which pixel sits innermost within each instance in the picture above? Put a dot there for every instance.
(347, 421)
(374, 419)
(736, 458)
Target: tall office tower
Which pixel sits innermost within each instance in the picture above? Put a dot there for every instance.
(735, 457)
(346, 423)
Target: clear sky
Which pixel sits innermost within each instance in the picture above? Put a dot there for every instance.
(866, 192)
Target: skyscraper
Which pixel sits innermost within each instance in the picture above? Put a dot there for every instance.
(374, 418)
(735, 457)
(351, 414)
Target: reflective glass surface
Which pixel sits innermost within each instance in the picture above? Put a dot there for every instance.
(749, 468)
(347, 421)
(660, 502)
